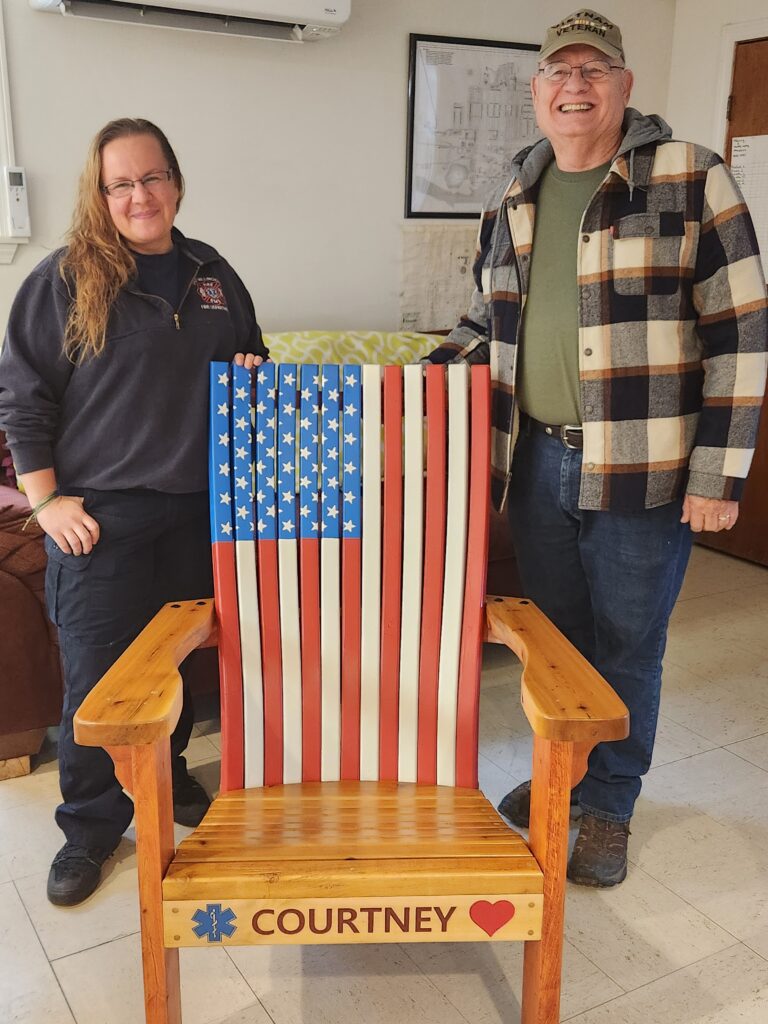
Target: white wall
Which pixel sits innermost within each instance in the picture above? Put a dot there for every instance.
(294, 155)
(696, 64)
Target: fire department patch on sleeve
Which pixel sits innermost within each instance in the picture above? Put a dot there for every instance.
(211, 293)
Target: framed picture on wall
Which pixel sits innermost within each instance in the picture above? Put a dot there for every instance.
(469, 111)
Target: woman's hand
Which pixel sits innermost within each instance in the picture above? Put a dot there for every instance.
(68, 524)
(248, 360)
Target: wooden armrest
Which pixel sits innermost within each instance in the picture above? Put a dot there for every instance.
(563, 696)
(138, 700)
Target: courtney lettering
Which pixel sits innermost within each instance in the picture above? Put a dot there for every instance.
(352, 920)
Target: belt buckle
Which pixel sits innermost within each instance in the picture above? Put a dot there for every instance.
(564, 435)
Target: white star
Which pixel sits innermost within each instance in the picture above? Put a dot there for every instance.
(289, 378)
(333, 395)
(240, 393)
(261, 376)
(271, 511)
(323, 527)
(304, 482)
(260, 437)
(241, 483)
(305, 394)
(304, 453)
(314, 527)
(261, 526)
(333, 511)
(316, 380)
(287, 467)
(349, 381)
(287, 496)
(271, 423)
(242, 511)
(226, 528)
(288, 409)
(349, 496)
(223, 438)
(315, 496)
(223, 409)
(316, 410)
(333, 453)
(240, 423)
(260, 467)
(261, 408)
(349, 467)
(271, 452)
(225, 498)
(240, 453)
(288, 526)
(333, 424)
(350, 410)
(223, 378)
(224, 469)
(271, 392)
(349, 439)
(348, 525)
(304, 511)
(333, 481)
(304, 423)
(314, 468)
(288, 438)
(259, 496)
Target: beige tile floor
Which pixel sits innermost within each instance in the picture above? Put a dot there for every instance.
(683, 941)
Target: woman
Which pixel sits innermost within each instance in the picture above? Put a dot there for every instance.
(103, 397)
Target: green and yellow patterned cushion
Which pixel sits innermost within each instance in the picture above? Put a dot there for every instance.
(349, 346)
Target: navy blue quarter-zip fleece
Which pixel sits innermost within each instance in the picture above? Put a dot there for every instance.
(135, 416)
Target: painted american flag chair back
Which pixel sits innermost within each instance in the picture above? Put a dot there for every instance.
(349, 517)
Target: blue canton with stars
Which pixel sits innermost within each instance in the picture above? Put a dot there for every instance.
(213, 922)
(300, 440)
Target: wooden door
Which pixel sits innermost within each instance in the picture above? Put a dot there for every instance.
(748, 115)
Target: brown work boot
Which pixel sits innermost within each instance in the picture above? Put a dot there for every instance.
(516, 805)
(599, 857)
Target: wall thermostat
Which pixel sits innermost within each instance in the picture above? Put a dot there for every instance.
(15, 185)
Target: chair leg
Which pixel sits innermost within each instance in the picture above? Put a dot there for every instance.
(550, 809)
(154, 835)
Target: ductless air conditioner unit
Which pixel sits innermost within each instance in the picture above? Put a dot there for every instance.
(288, 20)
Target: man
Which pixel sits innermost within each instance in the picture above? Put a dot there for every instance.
(621, 304)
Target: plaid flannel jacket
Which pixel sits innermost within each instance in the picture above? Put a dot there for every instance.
(673, 321)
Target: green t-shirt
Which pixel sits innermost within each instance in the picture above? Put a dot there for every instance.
(548, 367)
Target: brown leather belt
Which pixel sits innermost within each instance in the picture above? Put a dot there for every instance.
(570, 434)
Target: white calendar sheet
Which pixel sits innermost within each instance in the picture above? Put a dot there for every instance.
(749, 163)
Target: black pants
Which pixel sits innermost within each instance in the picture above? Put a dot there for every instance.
(153, 548)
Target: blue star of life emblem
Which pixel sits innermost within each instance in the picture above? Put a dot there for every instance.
(214, 922)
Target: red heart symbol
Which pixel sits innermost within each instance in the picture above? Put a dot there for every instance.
(491, 916)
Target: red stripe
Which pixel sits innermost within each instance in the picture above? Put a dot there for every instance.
(269, 612)
(230, 667)
(311, 673)
(474, 586)
(434, 569)
(392, 558)
(351, 611)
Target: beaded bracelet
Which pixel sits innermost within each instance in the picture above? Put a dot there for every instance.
(39, 508)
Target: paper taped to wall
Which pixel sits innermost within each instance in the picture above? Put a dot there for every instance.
(749, 163)
(437, 275)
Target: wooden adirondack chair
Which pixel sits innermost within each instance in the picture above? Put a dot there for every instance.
(350, 625)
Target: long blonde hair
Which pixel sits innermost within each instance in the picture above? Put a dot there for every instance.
(97, 262)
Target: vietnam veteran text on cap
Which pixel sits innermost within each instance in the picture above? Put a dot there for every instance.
(587, 27)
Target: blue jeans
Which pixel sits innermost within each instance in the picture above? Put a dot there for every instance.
(152, 548)
(609, 581)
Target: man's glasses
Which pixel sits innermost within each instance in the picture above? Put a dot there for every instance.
(151, 182)
(592, 71)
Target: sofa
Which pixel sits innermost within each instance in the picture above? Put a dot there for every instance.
(30, 674)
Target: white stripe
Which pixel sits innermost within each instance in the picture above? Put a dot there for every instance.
(330, 659)
(250, 647)
(455, 562)
(370, 623)
(413, 532)
(290, 642)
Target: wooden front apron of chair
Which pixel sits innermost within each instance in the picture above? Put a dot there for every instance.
(349, 512)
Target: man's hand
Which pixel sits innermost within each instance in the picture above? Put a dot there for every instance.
(68, 524)
(248, 360)
(710, 514)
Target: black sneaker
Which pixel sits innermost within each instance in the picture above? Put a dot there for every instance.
(190, 801)
(516, 806)
(599, 857)
(75, 873)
